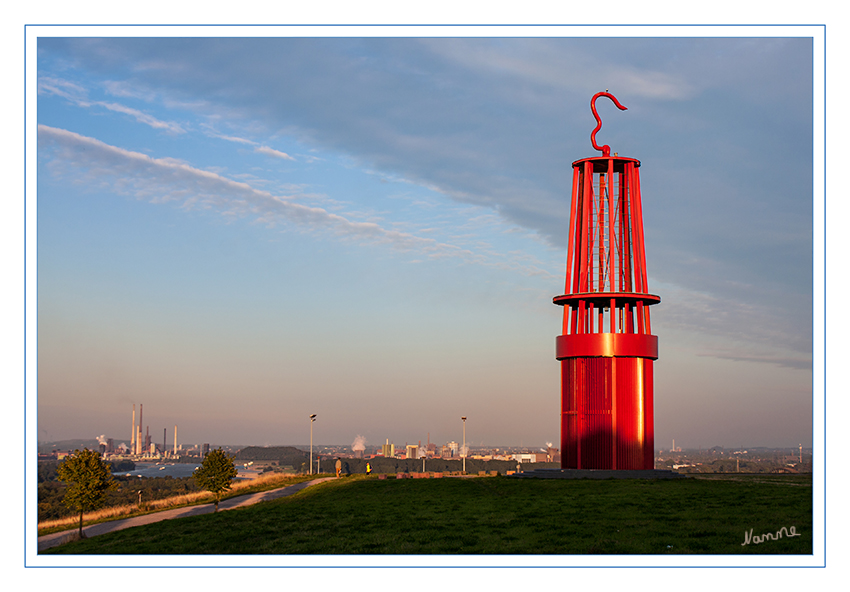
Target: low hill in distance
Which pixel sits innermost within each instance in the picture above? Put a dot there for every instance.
(285, 455)
(75, 444)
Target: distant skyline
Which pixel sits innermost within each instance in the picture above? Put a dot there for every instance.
(239, 232)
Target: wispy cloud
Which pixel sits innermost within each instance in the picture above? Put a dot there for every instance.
(61, 88)
(797, 363)
(761, 332)
(160, 180)
(121, 88)
(210, 131)
(164, 179)
(78, 95)
(142, 117)
(549, 66)
(272, 152)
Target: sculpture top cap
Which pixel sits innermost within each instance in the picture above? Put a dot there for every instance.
(606, 149)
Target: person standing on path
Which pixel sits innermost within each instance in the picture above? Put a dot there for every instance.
(338, 467)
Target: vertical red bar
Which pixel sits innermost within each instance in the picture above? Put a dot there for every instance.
(612, 385)
(610, 204)
(565, 426)
(639, 312)
(571, 242)
(582, 318)
(649, 421)
(637, 237)
(618, 220)
(641, 247)
(598, 235)
(580, 232)
(627, 229)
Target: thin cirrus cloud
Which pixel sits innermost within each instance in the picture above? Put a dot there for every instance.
(549, 66)
(795, 363)
(272, 152)
(259, 149)
(78, 95)
(142, 117)
(164, 179)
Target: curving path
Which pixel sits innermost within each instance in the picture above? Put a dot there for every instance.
(57, 538)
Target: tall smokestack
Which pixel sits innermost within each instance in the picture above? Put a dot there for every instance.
(175, 440)
(139, 442)
(133, 432)
(164, 441)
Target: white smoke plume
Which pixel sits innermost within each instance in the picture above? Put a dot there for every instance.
(101, 439)
(359, 443)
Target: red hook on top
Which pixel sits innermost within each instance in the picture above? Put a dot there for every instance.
(606, 149)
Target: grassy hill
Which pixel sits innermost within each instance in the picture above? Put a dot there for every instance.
(493, 515)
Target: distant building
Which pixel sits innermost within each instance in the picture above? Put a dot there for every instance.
(412, 451)
(205, 450)
(388, 450)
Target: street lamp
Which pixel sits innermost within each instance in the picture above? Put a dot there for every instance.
(312, 419)
(463, 450)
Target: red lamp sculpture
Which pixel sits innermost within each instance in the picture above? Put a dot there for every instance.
(606, 348)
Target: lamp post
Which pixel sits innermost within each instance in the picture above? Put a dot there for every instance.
(463, 450)
(312, 419)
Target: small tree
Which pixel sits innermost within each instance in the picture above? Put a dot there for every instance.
(216, 473)
(88, 479)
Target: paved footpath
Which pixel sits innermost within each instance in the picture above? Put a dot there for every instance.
(57, 538)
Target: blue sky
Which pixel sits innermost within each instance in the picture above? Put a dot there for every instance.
(239, 232)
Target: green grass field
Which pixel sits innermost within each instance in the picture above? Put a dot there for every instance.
(493, 515)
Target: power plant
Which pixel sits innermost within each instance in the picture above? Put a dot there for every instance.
(143, 445)
(606, 348)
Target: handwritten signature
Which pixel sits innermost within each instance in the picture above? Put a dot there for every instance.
(769, 536)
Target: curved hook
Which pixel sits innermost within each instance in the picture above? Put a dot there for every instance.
(606, 149)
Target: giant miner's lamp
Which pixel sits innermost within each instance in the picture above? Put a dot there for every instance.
(606, 348)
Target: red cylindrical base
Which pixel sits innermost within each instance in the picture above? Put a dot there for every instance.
(606, 413)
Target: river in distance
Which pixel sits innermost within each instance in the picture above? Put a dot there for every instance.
(155, 470)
